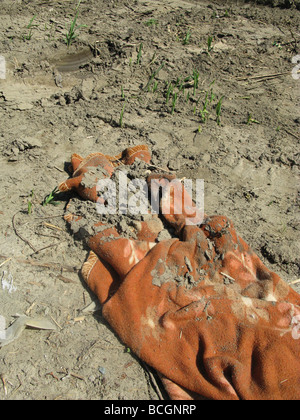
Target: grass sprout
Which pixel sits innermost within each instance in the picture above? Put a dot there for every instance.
(155, 86)
(71, 34)
(252, 120)
(139, 57)
(196, 75)
(50, 198)
(169, 91)
(29, 209)
(219, 110)
(153, 76)
(174, 102)
(152, 22)
(30, 26)
(122, 92)
(186, 39)
(209, 44)
(204, 112)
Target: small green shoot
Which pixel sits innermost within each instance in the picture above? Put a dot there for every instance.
(169, 92)
(209, 44)
(155, 86)
(71, 34)
(252, 120)
(174, 102)
(278, 45)
(30, 26)
(153, 76)
(196, 75)
(50, 198)
(152, 22)
(187, 38)
(204, 112)
(29, 210)
(138, 61)
(212, 95)
(219, 110)
(122, 92)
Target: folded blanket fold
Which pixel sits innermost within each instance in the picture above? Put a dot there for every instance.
(201, 308)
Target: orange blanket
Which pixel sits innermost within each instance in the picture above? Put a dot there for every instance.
(201, 308)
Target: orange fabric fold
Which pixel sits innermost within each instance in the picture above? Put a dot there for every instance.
(201, 308)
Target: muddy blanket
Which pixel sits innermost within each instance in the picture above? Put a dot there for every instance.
(184, 291)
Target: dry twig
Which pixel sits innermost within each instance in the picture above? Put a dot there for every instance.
(20, 236)
(295, 282)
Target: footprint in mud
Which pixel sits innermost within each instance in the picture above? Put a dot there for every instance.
(72, 62)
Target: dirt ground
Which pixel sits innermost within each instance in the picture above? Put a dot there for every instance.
(56, 101)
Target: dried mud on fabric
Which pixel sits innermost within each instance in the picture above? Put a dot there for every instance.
(202, 335)
(164, 67)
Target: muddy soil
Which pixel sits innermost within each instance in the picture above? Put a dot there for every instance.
(210, 87)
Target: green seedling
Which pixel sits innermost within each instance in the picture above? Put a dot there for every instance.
(252, 120)
(30, 26)
(219, 110)
(196, 75)
(122, 92)
(153, 76)
(50, 198)
(155, 87)
(152, 22)
(186, 39)
(177, 83)
(71, 34)
(138, 61)
(283, 229)
(212, 95)
(197, 104)
(209, 44)
(174, 102)
(29, 210)
(169, 92)
(278, 45)
(204, 112)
